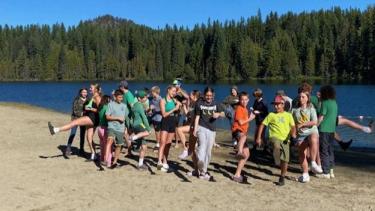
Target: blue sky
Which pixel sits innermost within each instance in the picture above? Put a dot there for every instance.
(155, 13)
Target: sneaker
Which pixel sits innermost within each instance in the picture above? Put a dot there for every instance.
(183, 155)
(159, 166)
(238, 179)
(324, 176)
(235, 144)
(345, 145)
(331, 174)
(51, 128)
(366, 129)
(281, 181)
(315, 168)
(205, 176)
(142, 168)
(193, 174)
(165, 167)
(68, 151)
(216, 145)
(304, 178)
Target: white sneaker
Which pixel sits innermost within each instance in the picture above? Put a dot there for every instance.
(366, 129)
(165, 167)
(183, 155)
(315, 168)
(93, 156)
(324, 176)
(331, 174)
(157, 145)
(304, 178)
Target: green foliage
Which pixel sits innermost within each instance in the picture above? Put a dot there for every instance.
(328, 44)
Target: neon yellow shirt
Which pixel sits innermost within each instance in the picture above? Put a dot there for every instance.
(279, 124)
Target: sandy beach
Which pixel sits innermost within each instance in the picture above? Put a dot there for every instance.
(36, 176)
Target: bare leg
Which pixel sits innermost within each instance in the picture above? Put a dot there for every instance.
(302, 152)
(181, 133)
(241, 162)
(163, 140)
(283, 168)
(108, 151)
(117, 154)
(90, 136)
(344, 121)
(82, 121)
(314, 146)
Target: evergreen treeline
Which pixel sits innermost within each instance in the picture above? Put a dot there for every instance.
(333, 44)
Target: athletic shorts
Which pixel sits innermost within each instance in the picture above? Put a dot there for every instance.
(139, 129)
(117, 136)
(280, 150)
(169, 124)
(157, 125)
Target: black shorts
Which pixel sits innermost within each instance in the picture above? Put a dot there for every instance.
(94, 118)
(157, 125)
(169, 124)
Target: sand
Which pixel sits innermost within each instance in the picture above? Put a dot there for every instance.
(36, 176)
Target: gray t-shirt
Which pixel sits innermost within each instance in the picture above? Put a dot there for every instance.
(117, 110)
(302, 115)
(156, 112)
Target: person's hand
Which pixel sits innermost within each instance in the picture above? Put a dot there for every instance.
(121, 119)
(216, 115)
(256, 112)
(258, 142)
(252, 116)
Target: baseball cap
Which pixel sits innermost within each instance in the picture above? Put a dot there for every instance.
(278, 99)
(141, 93)
(123, 83)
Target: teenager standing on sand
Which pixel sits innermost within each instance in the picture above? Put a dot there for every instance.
(206, 113)
(103, 129)
(327, 127)
(77, 112)
(90, 118)
(306, 120)
(281, 127)
(239, 132)
(169, 108)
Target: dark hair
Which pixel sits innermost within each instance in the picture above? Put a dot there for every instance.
(196, 93)
(304, 87)
(258, 93)
(208, 89)
(80, 90)
(243, 94)
(327, 92)
(118, 92)
(104, 101)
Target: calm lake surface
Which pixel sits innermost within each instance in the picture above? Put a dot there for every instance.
(353, 100)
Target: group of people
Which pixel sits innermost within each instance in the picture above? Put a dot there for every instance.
(307, 122)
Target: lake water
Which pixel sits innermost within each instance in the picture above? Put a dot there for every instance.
(353, 100)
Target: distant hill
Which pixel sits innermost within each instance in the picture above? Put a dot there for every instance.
(327, 44)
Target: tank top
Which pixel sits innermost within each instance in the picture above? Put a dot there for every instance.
(169, 105)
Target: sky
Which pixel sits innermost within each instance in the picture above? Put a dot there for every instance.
(156, 13)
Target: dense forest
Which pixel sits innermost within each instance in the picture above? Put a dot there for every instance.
(326, 44)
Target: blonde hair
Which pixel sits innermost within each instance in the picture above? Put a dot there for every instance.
(156, 89)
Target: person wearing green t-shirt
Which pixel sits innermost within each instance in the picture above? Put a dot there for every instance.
(327, 127)
(128, 100)
(140, 127)
(281, 127)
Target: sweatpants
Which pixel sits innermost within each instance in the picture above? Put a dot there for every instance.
(326, 141)
(206, 140)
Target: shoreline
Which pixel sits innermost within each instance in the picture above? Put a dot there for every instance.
(39, 177)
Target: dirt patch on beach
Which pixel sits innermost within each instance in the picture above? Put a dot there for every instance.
(36, 176)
